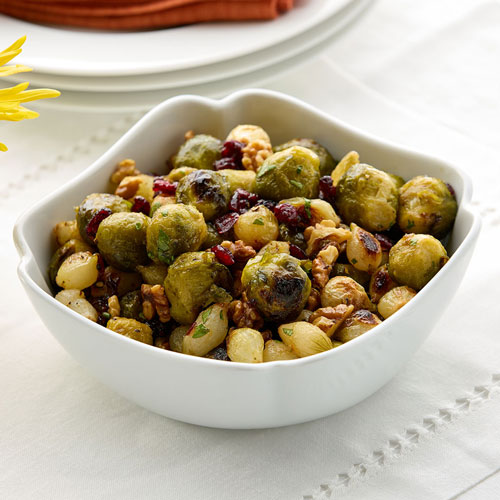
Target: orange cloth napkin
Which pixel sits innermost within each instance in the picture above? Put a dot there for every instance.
(141, 14)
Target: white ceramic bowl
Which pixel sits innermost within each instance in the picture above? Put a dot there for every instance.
(236, 395)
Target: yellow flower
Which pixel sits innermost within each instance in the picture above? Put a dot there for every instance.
(12, 97)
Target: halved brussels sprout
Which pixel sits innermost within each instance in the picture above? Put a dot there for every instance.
(238, 179)
(194, 281)
(198, 152)
(174, 229)
(326, 161)
(415, 259)
(131, 305)
(92, 204)
(277, 285)
(289, 173)
(426, 205)
(368, 197)
(121, 239)
(206, 190)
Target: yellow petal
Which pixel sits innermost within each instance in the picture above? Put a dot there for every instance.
(3, 147)
(10, 91)
(12, 70)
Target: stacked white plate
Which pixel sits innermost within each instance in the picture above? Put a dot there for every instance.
(136, 70)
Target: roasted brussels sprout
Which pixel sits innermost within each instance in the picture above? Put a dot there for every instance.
(344, 290)
(238, 179)
(415, 259)
(153, 274)
(287, 174)
(92, 204)
(194, 281)
(368, 197)
(198, 152)
(292, 236)
(326, 161)
(206, 190)
(121, 240)
(131, 305)
(132, 329)
(174, 229)
(213, 238)
(277, 285)
(426, 205)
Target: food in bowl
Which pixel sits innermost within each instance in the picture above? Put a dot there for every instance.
(251, 253)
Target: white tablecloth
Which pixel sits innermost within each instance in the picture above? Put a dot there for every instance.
(424, 74)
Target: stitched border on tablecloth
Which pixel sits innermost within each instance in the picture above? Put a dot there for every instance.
(401, 444)
(81, 147)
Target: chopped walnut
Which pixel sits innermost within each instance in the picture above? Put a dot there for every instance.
(155, 301)
(128, 187)
(324, 233)
(322, 265)
(330, 318)
(124, 169)
(113, 306)
(254, 154)
(314, 300)
(257, 145)
(188, 135)
(266, 335)
(245, 314)
(240, 251)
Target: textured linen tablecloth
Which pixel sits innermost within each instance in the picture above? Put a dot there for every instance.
(424, 74)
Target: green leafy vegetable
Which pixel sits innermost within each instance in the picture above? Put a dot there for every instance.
(200, 331)
(287, 331)
(297, 184)
(258, 222)
(264, 170)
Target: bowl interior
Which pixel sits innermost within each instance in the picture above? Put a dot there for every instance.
(158, 135)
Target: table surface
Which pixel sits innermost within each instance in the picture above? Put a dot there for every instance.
(424, 74)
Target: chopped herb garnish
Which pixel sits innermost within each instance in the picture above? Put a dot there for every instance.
(106, 315)
(138, 225)
(299, 169)
(354, 261)
(413, 242)
(141, 316)
(307, 207)
(200, 331)
(410, 224)
(297, 184)
(264, 170)
(164, 248)
(287, 331)
(221, 314)
(258, 222)
(204, 315)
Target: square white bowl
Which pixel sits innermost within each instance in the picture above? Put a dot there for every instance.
(237, 395)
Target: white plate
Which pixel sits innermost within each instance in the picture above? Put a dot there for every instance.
(139, 101)
(68, 51)
(208, 73)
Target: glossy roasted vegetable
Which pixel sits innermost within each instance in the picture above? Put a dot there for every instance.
(316, 210)
(153, 274)
(368, 197)
(131, 305)
(62, 253)
(257, 227)
(275, 350)
(238, 179)
(355, 325)
(245, 345)
(394, 300)
(78, 271)
(363, 250)
(206, 190)
(426, 205)
(75, 300)
(132, 329)
(344, 290)
(304, 338)
(340, 269)
(121, 240)
(198, 152)
(194, 281)
(277, 285)
(174, 229)
(326, 161)
(92, 204)
(287, 174)
(415, 259)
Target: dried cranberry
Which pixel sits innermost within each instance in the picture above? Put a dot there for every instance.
(162, 186)
(451, 190)
(269, 204)
(287, 214)
(385, 242)
(326, 189)
(100, 304)
(112, 280)
(93, 225)
(297, 252)
(100, 267)
(223, 255)
(231, 156)
(225, 223)
(242, 200)
(224, 163)
(141, 205)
